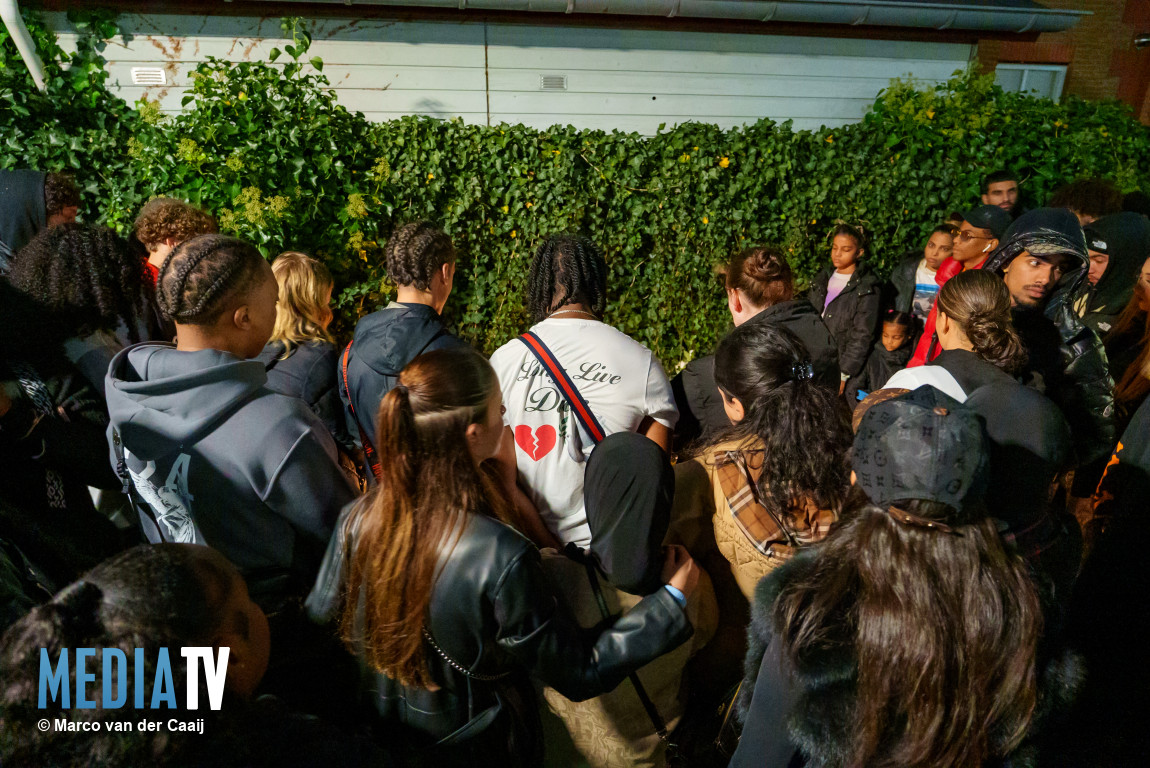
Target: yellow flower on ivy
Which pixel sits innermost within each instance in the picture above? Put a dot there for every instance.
(504, 209)
(242, 97)
(830, 139)
(724, 162)
(683, 158)
(430, 176)
(528, 204)
(930, 114)
(513, 233)
(706, 220)
(234, 164)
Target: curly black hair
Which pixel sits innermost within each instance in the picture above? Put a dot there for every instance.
(805, 428)
(567, 269)
(59, 193)
(85, 276)
(415, 252)
(200, 276)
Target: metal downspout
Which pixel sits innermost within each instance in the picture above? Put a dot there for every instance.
(10, 12)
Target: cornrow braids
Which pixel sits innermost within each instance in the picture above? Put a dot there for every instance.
(201, 274)
(85, 276)
(567, 269)
(415, 252)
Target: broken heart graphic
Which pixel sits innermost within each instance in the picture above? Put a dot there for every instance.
(537, 444)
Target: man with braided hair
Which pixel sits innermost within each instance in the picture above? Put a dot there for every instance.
(208, 453)
(421, 262)
(621, 383)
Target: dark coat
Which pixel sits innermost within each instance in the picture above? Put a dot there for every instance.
(1127, 241)
(881, 364)
(493, 614)
(903, 279)
(1067, 359)
(853, 316)
(310, 374)
(801, 716)
(697, 397)
(384, 343)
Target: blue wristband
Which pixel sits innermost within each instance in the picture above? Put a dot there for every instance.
(680, 598)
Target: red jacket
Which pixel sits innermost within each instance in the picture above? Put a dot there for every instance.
(928, 348)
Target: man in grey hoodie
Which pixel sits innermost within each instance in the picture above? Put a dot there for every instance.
(207, 452)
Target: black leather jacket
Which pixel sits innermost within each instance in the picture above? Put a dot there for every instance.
(1076, 375)
(493, 615)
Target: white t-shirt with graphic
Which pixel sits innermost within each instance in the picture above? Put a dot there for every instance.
(621, 381)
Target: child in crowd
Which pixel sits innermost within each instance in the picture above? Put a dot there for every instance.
(849, 299)
(914, 276)
(90, 290)
(447, 605)
(301, 358)
(211, 455)
(623, 384)
(421, 263)
(891, 352)
(155, 597)
(163, 223)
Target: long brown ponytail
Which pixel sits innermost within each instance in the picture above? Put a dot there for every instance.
(429, 484)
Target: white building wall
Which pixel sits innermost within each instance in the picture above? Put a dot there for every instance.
(626, 79)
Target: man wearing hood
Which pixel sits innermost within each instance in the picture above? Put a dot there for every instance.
(29, 202)
(1119, 245)
(421, 262)
(1043, 261)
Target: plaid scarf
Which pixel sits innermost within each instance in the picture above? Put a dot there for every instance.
(738, 474)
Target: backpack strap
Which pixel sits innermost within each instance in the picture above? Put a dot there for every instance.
(566, 386)
(368, 448)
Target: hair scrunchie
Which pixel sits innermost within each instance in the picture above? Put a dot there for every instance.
(802, 371)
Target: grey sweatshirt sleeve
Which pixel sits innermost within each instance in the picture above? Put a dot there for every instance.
(308, 488)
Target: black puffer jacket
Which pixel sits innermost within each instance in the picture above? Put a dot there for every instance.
(493, 613)
(852, 318)
(1064, 353)
(697, 397)
(309, 373)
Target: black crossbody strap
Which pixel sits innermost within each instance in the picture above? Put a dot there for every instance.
(644, 699)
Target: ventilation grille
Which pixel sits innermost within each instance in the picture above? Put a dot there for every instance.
(553, 82)
(148, 76)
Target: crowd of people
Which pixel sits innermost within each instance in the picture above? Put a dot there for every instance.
(888, 522)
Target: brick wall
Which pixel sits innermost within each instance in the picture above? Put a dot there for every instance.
(1099, 51)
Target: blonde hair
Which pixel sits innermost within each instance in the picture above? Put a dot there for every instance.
(303, 281)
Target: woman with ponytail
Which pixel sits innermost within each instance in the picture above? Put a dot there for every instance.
(760, 289)
(769, 485)
(910, 637)
(979, 343)
(446, 604)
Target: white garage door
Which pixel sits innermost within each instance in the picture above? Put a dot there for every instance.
(542, 75)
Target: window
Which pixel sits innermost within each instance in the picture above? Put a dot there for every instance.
(1042, 80)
